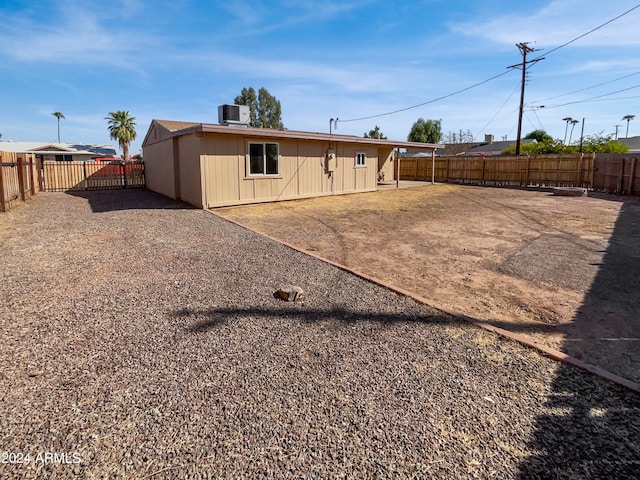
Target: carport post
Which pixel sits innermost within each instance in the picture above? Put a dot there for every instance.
(398, 172)
(433, 166)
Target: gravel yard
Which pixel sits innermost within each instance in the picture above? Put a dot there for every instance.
(142, 339)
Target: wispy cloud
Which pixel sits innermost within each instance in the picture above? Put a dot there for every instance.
(557, 23)
(74, 35)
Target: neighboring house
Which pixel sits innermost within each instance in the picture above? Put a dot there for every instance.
(210, 165)
(487, 148)
(632, 142)
(60, 151)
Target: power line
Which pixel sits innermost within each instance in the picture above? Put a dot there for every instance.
(592, 30)
(499, 110)
(588, 88)
(427, 102)
(590, 99)
(491, 78)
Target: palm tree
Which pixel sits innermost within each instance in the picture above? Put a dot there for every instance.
(573, 125)
(628, 118)
(122, 128)
(58, 115)
(567, 120)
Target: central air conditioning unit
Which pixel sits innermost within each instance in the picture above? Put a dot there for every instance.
(237, 115)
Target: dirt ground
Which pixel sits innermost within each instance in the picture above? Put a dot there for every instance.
(563, 270)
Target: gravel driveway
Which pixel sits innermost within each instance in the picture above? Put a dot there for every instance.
(142, 339)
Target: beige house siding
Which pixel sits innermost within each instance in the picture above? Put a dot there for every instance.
(301, 171)
(160, 175)
(385, 164)
(189, 149)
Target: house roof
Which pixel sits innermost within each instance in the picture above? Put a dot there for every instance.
(632, 142)
(57, 148)
(174, 129)
(480, 148)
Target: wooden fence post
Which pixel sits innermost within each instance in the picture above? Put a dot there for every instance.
(484, 166)
(40, 179)
(633, 175)
(3, 205)
(31, 178)
(21, 179)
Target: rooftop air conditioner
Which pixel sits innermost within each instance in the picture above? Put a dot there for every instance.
(233, 115)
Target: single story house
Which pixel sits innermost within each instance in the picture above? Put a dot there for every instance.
(60, 151)
(632, 142)
(214, 165)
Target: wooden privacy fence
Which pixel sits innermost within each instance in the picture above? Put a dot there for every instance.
(20, 178)
(617, 173)
(534, 170)
(65, 176)
(23, 175)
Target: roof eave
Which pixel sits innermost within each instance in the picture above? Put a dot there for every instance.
(299, 135)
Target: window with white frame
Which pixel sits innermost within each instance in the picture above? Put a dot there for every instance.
(361, 159)
(263, 159)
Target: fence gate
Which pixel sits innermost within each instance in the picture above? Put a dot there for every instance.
(65, 176)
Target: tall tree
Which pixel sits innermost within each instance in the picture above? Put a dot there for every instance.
(567, 121)
(264, 109)
(573, 125)
(628, 118)
(539, 136)
(426, 131)
(58, 115)
(122, 128)
(375, 133)
(248, 97)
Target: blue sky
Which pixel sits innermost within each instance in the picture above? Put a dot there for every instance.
(180, 59)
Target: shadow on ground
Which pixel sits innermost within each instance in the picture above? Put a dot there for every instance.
(612, 300)
(213, 318)
(582, 439)
(102, 201)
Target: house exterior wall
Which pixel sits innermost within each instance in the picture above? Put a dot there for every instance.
(189, 178)
(159, 168)
(224, 166)
(385, 164)
(210, 168)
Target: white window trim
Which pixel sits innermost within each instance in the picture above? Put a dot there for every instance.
(364, 159)
(264, 147)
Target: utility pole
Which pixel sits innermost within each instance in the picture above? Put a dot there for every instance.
(617, 130)
(524, 49)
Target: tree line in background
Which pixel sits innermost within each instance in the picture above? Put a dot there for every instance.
(430, 131)
(546, 144)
